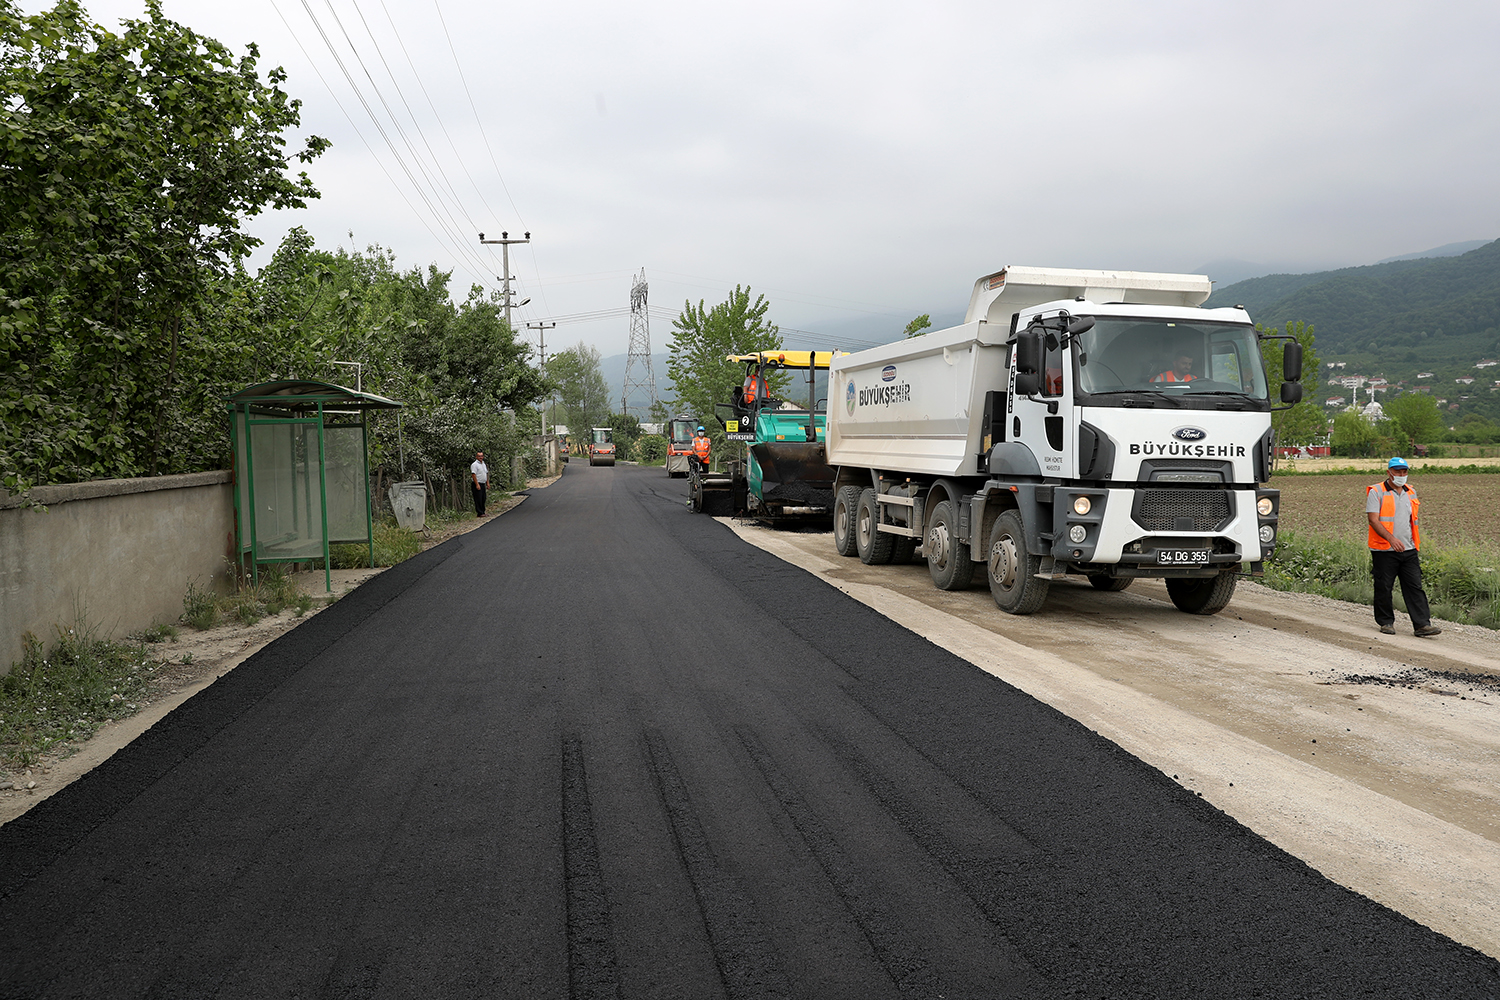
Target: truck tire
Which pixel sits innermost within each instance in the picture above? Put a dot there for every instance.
(903, 550)
(875, 547)
(1203, 597)
(845, 509)
(947, 558)
(1012, 570)
(1111, 583)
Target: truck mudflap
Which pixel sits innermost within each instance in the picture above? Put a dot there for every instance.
(794, 474)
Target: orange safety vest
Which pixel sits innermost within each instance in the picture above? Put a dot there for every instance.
(1387, 516)
(1170, 375)
(755, 388)
(701, 448)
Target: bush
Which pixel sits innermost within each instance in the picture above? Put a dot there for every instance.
(200, 608)
(393, 544)
(536, 465)
(652, 449)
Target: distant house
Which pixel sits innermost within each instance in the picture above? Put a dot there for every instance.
(1465, 380)
(1487, 364)
(1453, 407)
(1424, 374)
(1334, 401)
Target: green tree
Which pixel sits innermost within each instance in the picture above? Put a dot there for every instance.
(1353, 435)
(918, 325)
(579, 376)
(1305, 423)
(701, 340)
(627, 432)
(130, 162)
(1414, 416)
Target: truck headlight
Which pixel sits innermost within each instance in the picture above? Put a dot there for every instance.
(1264, 505)
(1081, 506)
(1078, 532)
(1267, 534)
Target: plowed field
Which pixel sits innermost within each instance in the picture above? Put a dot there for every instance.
(1457, 510)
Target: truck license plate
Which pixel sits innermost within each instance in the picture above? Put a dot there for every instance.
(1182, 557)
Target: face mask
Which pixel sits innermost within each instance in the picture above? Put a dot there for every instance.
(1399, 480)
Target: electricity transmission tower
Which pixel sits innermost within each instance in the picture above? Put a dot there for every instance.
(638, 371)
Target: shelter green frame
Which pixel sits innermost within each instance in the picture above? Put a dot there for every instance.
(296, 403)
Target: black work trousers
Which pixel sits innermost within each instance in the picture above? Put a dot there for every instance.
(481, 489)
(1386, 566)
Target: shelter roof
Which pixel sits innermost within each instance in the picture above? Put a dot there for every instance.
(299, 395)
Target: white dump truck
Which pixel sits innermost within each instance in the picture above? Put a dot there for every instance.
(1096, 423)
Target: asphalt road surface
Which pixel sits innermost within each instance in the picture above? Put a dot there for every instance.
(602, 747)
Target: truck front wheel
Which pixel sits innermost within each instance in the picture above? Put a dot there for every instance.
(1203, 597)
(845, 506)
(875, 546)
(947, 558)
(1012, 570)
(1101, 582)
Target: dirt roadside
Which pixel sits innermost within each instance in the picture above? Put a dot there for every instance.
(1290, 712)
(211, 654)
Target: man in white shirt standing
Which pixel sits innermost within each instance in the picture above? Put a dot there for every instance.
(479, 473)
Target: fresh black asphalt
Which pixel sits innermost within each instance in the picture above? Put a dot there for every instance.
(600, 747)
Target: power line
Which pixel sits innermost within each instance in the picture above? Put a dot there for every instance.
(347, 117)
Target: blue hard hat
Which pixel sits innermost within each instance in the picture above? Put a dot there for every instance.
(1397, 463)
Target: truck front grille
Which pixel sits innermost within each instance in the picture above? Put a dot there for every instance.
(1181, 510)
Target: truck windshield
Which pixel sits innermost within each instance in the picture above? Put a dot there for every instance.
(682, 431)
(1157, 355)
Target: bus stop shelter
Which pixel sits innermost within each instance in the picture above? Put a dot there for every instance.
(302, 471)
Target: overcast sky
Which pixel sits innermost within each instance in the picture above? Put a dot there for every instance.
(867, 161)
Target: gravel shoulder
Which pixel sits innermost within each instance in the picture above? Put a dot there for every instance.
(211, 654)
(1374, 759)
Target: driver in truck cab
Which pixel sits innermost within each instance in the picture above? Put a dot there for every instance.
(702, 448)
(1181, 371)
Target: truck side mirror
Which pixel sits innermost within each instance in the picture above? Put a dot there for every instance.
(1028, 354)
(1028, 383)
(1291, 392)
(1082, 324)
(1291, 362)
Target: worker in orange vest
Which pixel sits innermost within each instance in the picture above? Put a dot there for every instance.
(755, 387)
(702, 448)
(1391, 507)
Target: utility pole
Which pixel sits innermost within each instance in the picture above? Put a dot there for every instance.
(542, 329)
(505, 241)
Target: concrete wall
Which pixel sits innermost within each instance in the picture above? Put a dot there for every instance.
(118, 553)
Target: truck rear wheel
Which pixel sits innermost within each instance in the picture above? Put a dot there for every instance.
(875, 546)
(1203, 597)
(845, 507)
(1101, 582)
(947, 558)
(903, 550)
(1012, 570)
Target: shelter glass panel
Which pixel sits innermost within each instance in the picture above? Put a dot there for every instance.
(288, 500)
(348, 486)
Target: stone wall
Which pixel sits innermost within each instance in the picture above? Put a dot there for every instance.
(116, 553)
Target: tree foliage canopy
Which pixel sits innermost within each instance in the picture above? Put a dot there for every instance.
(1415, 417)
(702, 338)
(1305, 422)
(127, 164)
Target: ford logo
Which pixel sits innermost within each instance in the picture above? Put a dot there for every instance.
(888, 373)
(1190, 434)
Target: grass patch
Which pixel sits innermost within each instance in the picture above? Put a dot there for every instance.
(63, 695)
(393, 544)
(249, 603)
(1462, 584)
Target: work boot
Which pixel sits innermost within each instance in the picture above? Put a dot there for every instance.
(1388, 629)
(1428, 631)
